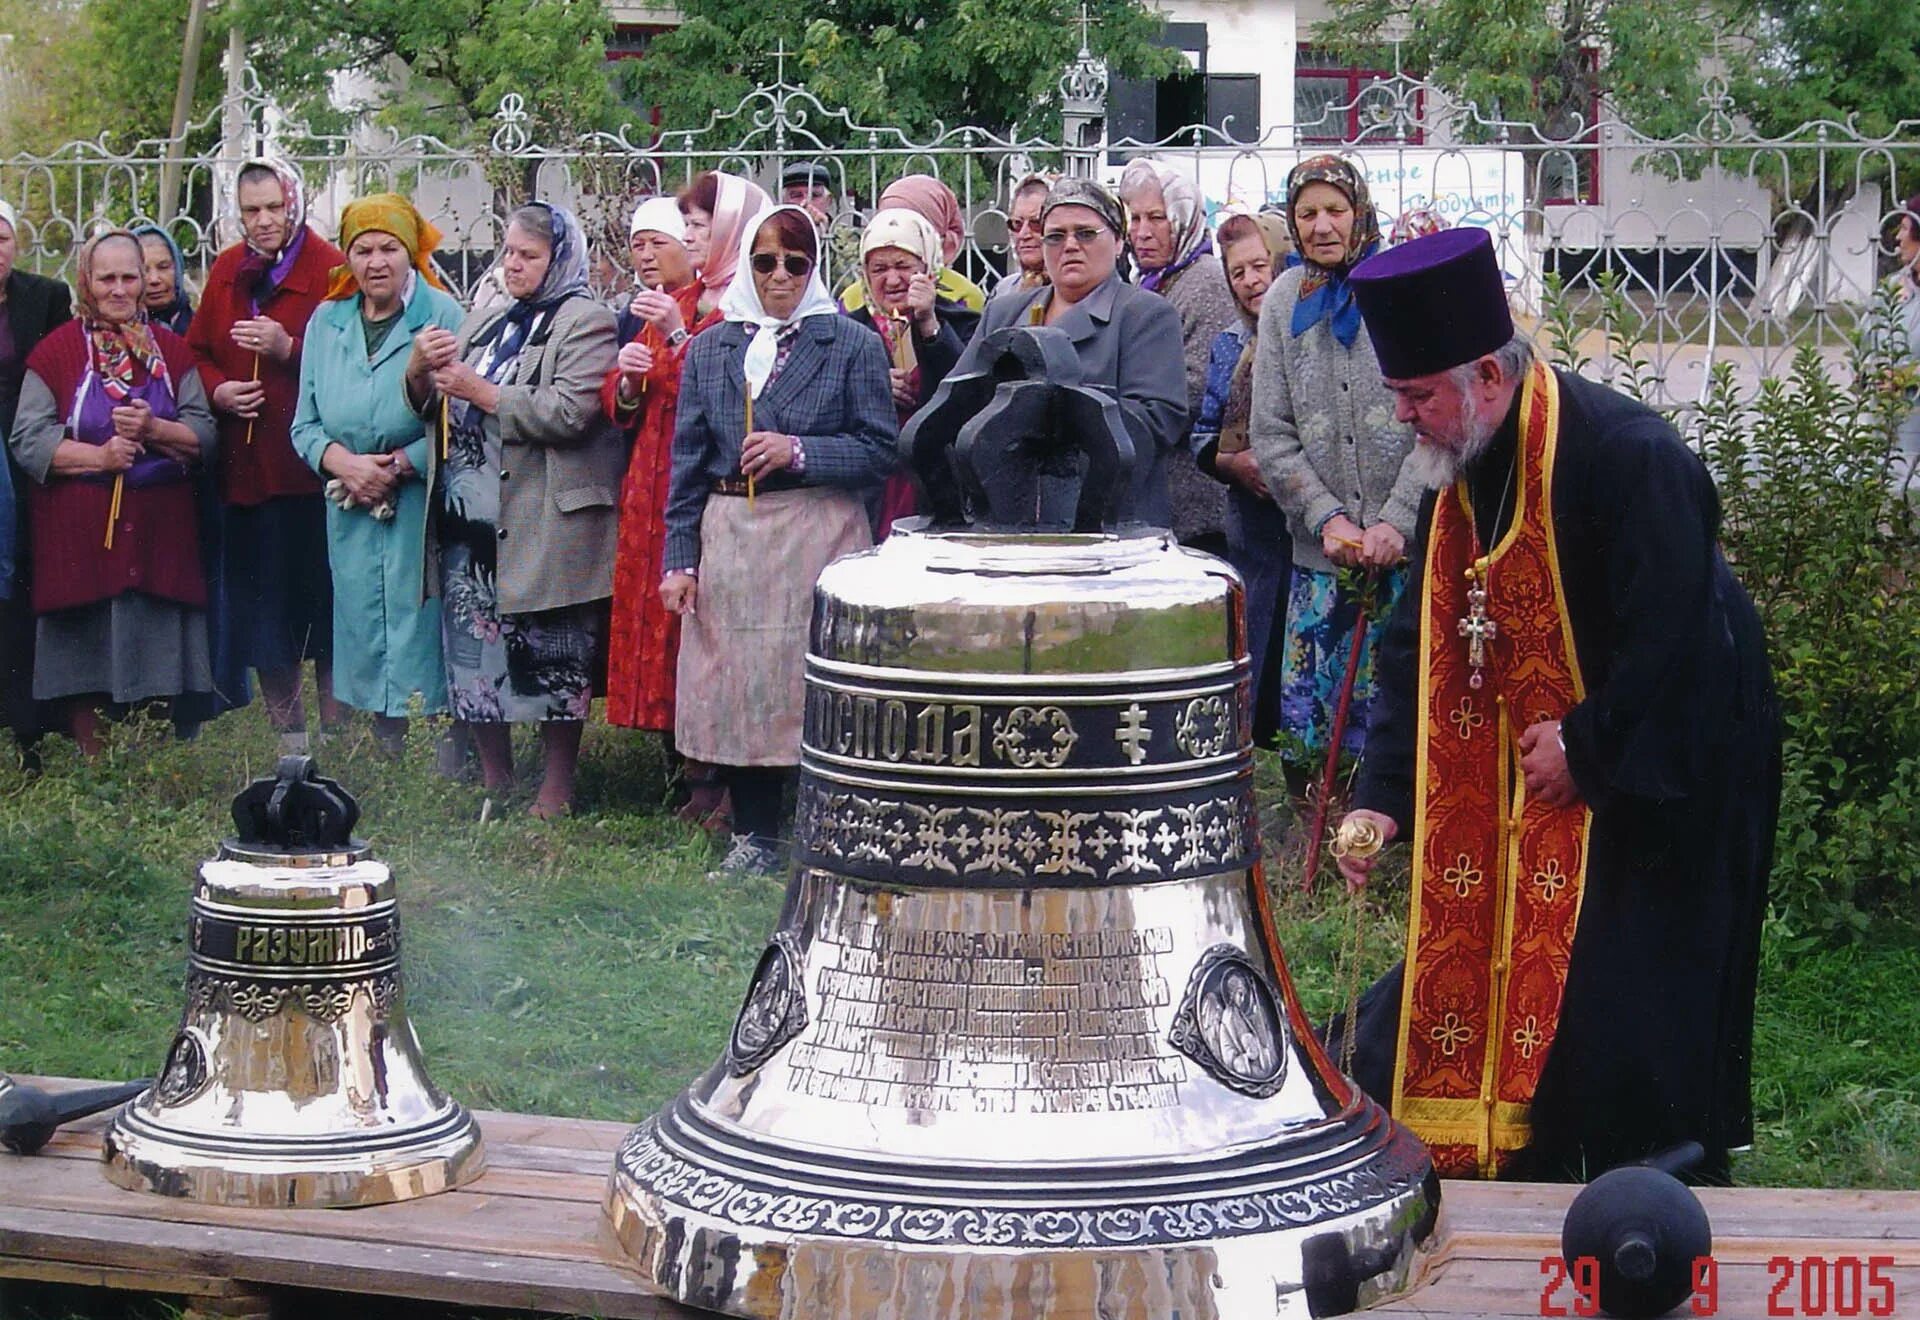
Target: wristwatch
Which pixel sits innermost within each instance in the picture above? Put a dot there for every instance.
(678, 337)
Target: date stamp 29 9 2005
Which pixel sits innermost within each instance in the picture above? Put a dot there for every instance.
(1797, 1286)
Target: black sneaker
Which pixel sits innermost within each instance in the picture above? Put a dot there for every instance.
(751, 854)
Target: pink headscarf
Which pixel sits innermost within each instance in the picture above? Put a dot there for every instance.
(738, 202)
(926, 195)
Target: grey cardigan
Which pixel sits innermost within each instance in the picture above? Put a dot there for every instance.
(561, 462)
(1323, 430)
(1206, 306)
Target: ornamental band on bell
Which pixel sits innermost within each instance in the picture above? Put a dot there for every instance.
(1086, 784)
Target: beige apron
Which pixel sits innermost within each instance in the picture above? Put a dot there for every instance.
(742, 674)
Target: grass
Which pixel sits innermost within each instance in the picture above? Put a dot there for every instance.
(588, 966)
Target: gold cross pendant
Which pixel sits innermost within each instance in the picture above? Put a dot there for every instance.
(1477, 628)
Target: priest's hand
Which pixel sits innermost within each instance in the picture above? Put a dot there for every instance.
(1543, 760)
(1358, 869)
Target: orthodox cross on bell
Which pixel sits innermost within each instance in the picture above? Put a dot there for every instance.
(1476, 627)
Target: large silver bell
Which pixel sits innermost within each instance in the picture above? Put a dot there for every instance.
(1024, 1044)
(295, 1078)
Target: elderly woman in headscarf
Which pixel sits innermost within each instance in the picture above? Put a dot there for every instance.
(353, 426)
(935, 203)
(924, 332)
(247, 333)
(641, 395)
(1334, 458)
(717, 208)
(1121, 334)
(31, 308)
(525, 510)
(112, 421)
(1252, 248)
(786, 424)
(1173, 252)
(169, 300)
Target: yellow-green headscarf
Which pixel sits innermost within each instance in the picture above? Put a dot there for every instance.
(386, 213)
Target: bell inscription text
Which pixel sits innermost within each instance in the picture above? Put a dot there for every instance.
(984, 1022)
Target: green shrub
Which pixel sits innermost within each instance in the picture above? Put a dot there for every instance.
(1829, 550)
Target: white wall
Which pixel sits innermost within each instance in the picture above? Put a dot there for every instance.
(1248, 36)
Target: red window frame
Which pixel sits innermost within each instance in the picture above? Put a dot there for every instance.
(1358, 80)
(1589, 139)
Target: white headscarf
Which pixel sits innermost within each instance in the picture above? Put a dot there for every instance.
(662, 216)
(742, 303)
(897, 227)
(1186, 210)
(6, 214)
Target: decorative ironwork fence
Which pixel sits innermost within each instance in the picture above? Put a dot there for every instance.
(1725, 245)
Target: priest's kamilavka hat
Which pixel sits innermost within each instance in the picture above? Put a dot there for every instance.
(1433, 304)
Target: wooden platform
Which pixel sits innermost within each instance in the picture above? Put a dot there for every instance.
(527, 1235)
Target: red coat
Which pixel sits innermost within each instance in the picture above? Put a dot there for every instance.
(253, 473)
(156, 544)
(643, 641)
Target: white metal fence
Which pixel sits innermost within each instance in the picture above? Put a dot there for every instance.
(1729, 246)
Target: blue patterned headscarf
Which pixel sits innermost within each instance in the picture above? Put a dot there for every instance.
(1324, 295)
(176, 314)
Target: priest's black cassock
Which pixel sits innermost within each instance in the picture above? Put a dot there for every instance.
(1676, 750)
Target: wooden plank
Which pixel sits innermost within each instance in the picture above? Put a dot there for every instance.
(122, 1279)
(529, 1234)
(288, 1259)
(464, 1220)
(1777, 1212)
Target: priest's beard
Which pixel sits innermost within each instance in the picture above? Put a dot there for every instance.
(1436, 467)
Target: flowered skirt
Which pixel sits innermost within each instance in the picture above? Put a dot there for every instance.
(1319, 641)
(517, 668)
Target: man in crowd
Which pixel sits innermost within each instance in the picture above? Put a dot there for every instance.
(1574, 722)
(809, 185)
(246, 336)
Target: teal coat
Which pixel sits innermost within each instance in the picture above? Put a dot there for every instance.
(386, 634)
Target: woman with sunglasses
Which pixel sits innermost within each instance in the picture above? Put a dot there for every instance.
(785, 427)
(1128, 339)
(1029, 267)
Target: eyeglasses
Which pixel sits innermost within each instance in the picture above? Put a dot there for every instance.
(1084, 235)
(1020, 224)
(797, 265)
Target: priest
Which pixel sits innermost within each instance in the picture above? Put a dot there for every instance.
(1574, 727)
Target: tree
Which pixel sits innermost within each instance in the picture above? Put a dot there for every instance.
(908, 64)
(1831, 59)
(443, 65)
(78, 70)
(1548, 62)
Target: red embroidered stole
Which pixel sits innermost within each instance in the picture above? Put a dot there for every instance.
(1497, 879)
